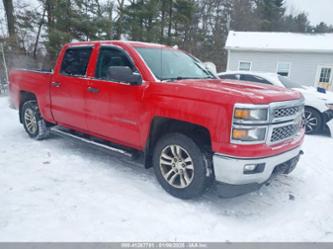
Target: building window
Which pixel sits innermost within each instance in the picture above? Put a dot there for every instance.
(325, 75)
(283, 69)
(245, 66)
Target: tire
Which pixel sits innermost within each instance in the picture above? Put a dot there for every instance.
(313, 121)
(186, 178)
(33, 122)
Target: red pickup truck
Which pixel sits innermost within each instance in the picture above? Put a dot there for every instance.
(159, 102)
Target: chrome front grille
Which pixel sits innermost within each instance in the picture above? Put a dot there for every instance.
(286, 111)
(286, 118)
(284, 132)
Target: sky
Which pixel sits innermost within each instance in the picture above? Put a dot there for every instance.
(317, 10)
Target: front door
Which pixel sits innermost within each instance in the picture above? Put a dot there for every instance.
(324, 77)
(114, 109)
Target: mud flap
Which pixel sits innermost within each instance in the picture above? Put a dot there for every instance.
(330, 126)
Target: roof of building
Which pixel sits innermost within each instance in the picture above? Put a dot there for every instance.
(280, 42)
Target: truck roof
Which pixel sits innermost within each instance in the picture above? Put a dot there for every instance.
(119, 42)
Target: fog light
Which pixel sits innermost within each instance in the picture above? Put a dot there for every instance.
(250, 167)
(254, 168)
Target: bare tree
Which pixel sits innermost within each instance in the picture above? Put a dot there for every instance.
(40, 25)
(120, 10)
(9, 11)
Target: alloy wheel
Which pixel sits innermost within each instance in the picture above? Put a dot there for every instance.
(176, 166)
(30, 121)
(311, 122)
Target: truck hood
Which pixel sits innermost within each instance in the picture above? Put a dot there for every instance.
(239, 91)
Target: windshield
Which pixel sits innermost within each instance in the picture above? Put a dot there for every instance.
(288, 83)
(172, 64)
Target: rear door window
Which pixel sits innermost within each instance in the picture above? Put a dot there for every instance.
(75, 61)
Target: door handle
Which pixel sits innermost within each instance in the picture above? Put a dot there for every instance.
(56, 84)
(93, 89)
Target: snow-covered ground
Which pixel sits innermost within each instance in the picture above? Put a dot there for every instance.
(57, 190)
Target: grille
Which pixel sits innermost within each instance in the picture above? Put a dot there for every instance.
(286, 112)
(284, 132)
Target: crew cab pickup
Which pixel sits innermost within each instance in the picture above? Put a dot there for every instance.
(160, 102)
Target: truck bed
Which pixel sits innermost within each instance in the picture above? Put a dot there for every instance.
(32, 81)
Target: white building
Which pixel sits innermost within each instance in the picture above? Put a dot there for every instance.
(305, 58)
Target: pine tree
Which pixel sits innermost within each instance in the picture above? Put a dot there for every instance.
(159, 21)
(243, 17)
(270, 13)
(323, 28)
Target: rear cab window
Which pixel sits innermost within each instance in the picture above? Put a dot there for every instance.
(75, 61)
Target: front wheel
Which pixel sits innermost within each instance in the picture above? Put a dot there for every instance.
(33, 122)
(180, 166)
(313, 121)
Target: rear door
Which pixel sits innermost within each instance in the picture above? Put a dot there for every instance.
(69, 88)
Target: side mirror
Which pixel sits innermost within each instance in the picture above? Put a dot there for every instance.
(123, 74)
(210, 66)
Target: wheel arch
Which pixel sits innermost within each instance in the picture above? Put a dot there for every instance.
(160, 126)
(24, 97)
(316, 110)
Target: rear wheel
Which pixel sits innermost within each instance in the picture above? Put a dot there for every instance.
(33, 123)
(313, 121)
(180, 166)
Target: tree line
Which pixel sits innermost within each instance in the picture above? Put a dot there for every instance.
(198, 26)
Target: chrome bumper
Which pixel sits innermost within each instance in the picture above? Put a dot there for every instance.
(230, 170)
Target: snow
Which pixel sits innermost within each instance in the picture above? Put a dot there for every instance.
(275, 41)
(57, 190)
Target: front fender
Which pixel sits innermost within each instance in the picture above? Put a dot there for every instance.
(214, 117)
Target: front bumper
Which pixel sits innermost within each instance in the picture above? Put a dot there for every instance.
(230, 170)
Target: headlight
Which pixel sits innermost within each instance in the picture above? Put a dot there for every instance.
(329, 106)
(250, 115)
(249, 134)
(250, 124)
